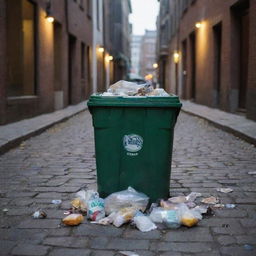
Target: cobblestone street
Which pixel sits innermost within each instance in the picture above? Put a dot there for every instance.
(60, 161)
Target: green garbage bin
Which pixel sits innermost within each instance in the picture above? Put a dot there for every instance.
(133, 142)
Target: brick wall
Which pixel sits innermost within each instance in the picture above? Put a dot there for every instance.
(211, 14)
(72, 21)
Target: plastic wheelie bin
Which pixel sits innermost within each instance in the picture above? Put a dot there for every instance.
(133, 142)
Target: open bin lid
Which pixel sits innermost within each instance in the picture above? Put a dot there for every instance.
(97, 100)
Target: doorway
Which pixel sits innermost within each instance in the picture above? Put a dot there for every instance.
(217, 37)
(71, 68)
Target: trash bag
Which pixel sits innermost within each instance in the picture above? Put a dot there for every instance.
(96, 209)
(126, 198)
(171, 219)
(81, 199)
(124, 88)
(144, 223)
(123, 216)
(188, 218)
(157, 214)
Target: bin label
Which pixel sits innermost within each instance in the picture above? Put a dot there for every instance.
(132, 143)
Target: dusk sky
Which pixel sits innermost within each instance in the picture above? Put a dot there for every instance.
(144, 13)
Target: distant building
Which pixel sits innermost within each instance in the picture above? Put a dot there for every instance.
(148, 54)
(207, 52)
(135, 54)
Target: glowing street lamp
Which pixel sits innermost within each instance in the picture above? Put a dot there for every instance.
(50, 19)
(198, 25)
(101, 49)
(155, 65)
(176, 57)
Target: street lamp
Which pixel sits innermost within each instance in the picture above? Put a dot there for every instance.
(101, 49)
(198, 25)
(155, 65)
(176, 57)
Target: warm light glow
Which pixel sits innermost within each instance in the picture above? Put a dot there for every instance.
(110, 58)
(155, 65)
(198, 25)
(100, 49)
(176, 57)
(50, 19)
(148, 77)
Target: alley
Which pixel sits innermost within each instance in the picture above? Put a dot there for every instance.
(57, 163)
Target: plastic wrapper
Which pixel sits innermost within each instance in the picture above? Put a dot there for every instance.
(158, 92)
(124, 215)
(192, 196)
(95, 209)
(107, 220)
(171, 219)
(81, 199)
(126, 198)
(224, 190)
(146, 90)
(124, 88)
(73, 219)
(157, 214)
(40, 214)
(144, 223)
(210, 200)
(167, 205)
(188, 218)
(177, 199)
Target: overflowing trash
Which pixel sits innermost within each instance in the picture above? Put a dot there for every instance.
(125, 88)
(131, 206)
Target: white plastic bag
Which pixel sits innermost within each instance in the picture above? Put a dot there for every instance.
(123, 216)
(124, 88)
(157, 214)
(171, 219)
(144, 223)
(81, 199)
(126, 198)
(188, 217)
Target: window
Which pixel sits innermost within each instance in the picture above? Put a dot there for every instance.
(21, 48)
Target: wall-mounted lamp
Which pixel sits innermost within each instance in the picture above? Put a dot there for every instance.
(176, 57)
(49, 16)
(198, 25)
(101, 49)
(155, 65)
(110, 58)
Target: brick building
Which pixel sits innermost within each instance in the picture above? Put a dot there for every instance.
(46, 65)
(207, 52)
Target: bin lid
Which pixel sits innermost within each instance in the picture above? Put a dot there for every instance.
(97, 100)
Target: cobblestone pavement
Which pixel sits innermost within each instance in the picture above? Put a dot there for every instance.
(60, 161)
